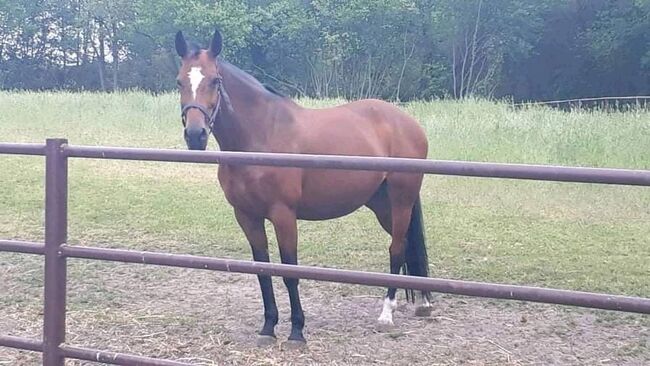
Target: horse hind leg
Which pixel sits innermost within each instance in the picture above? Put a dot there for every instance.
(417, 258)
(379, 203)
(397, 207)
(393, 214)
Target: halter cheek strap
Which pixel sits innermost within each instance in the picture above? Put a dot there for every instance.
(210, 118)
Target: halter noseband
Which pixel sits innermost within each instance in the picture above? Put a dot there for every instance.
(210, 118)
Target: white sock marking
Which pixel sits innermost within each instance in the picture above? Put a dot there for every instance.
(423, 302)
(386, 316)
(196, 76)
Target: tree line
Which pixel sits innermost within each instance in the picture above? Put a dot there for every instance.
(392, 49)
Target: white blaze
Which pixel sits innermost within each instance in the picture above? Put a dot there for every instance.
(196, 76)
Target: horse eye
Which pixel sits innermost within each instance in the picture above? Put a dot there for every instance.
(216, 82)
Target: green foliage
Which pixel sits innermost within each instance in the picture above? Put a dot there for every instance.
(392, 49)
(619, 43)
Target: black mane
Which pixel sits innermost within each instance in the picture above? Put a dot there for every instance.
(273, 90)
(243, 75)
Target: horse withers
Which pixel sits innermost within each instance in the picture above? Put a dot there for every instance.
(219, 99)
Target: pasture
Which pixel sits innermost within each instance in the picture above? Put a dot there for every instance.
(563, 235)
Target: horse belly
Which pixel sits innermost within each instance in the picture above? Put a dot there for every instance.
(328, 194)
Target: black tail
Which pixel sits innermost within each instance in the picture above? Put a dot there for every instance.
(417, 260)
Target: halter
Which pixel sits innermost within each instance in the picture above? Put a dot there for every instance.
(210, 118)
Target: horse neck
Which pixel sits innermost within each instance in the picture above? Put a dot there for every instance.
(249, 121)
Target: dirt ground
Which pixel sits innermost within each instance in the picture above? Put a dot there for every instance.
(207, 318)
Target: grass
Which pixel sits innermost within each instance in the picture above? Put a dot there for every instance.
(573, 236)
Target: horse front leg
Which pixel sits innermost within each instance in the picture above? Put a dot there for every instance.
(253, 228)
(286, 230)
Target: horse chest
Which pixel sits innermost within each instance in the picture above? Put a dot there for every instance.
(256, 189)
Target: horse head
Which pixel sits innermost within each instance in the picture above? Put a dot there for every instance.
(200, 87)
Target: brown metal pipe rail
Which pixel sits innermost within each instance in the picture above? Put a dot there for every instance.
(442, 167)
(457, 287)
(114, 358)
(26, 247)
(21, 343)
(86, 354)
(22, 148)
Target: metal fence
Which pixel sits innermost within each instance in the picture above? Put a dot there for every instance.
(56, 251)
(637, 102)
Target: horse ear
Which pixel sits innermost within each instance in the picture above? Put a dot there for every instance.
(216, 44)
(181, 44)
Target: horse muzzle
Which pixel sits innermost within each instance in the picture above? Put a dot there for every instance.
(196, 138)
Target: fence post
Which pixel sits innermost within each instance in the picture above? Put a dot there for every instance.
(56, 231)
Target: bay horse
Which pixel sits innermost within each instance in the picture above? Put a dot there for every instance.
(242, 114)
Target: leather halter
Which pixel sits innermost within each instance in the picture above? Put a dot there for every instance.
(210, 118)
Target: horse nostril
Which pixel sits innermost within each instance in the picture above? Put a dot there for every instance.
(194, 132)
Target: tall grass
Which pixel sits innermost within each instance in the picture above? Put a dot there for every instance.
(491, 131)
(586, 237)
(477, 130)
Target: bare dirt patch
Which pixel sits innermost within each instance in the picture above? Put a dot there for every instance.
(209, 318)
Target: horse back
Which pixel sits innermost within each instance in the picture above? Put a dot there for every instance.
(368, 127)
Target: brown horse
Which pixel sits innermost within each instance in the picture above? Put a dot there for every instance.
(243, 115)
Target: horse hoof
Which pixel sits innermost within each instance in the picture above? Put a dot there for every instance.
(293, 345)
(265, 340)
(384, 325)
(423, 311)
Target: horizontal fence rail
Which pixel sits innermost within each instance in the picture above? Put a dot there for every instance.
(426, 166)
(87, 354)
(457, 287)
(442, 167)
(56, 252)
(639, 98)
(113, 358)
(21, 343)
(22, 149)
(26, 247)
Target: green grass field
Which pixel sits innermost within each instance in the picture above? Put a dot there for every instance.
(573, 236)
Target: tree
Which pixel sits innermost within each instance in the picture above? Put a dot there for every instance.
(618, 42)
(483, 36)
(391, 49)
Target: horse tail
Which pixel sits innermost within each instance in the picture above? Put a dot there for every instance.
(417, 261)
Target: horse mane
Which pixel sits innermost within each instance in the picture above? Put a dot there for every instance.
(274, 91)
(249, 79)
